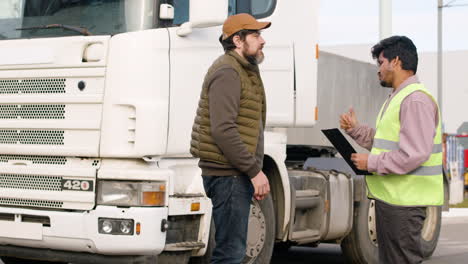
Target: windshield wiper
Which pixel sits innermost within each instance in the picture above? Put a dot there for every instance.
(81, 30)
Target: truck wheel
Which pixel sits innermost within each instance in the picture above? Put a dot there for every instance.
(260, 237)
(431, 230)
(361, 246)
(261, 234)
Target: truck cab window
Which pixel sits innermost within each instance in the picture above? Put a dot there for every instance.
(100, 17)
(257, 8)
(181, 11)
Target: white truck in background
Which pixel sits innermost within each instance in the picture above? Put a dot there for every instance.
(97, 100)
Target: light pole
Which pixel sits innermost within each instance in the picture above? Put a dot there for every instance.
(440, 6)
(385, 19)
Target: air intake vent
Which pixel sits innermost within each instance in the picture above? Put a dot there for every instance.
(32, 137)
(30, 203)
(34, 111)
(30, 182)
(31, 86)
(50, 160)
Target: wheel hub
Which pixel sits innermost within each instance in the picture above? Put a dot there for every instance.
(256, 232)
(430, 225)
(371, 223)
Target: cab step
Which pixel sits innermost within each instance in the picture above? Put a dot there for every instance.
(184, 246)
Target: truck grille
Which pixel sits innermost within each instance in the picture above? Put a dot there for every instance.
(49, 160)
(31, 182)
(32, 111)
(25, 183)
(33, 137)
(28, 202)
(56, 115)
(18, 86)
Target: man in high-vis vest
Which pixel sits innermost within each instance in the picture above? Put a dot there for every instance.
(405, 153)
(227, 134)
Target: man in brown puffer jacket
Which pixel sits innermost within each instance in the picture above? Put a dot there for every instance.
(228, 137)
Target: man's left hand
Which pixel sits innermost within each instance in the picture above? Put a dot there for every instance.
(360, 160)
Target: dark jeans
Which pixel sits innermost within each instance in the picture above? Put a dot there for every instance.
(231, 197)
(399, 233)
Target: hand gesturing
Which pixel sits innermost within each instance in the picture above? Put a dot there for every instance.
(348, 120)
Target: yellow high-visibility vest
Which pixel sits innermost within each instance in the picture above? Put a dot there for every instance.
(420, 187)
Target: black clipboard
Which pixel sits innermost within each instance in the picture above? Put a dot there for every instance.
(341, 144)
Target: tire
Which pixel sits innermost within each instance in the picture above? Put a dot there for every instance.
(360, 246)
(11, 260)
(261, 234)
(431, 230)
(262, 226)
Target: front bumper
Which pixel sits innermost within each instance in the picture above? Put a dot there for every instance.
(78, 231)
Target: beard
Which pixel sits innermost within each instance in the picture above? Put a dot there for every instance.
(385, 84)
(254, 59)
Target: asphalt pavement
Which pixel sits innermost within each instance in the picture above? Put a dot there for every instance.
(453, 240)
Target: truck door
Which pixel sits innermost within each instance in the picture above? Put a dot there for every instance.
(277, 70)
(190, 58)
(192, 55)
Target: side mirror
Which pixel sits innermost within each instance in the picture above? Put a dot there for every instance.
(166, 12)
(203, 14)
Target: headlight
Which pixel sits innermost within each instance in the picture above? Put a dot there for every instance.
(131, 193)
(106, 226)
(112, 226)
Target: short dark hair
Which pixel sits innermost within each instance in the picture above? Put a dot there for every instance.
(228, 44)
(398, 46)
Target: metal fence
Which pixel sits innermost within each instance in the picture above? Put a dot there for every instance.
(454, 157)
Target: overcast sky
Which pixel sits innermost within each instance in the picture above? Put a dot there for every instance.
(357, 22)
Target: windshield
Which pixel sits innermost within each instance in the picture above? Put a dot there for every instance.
(99, 17)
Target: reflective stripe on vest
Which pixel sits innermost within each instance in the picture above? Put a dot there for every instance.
(420, 187)
(392, 145)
